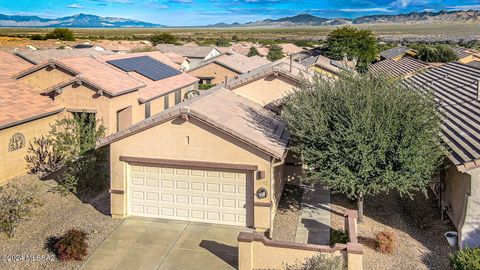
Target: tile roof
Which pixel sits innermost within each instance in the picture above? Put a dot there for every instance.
(475, 64)
(19, 104)
(226, 111)
(462, 52)
(11, 64)
(187, 51)
(456, 89)
(176, 58)
(394, 52)
(406, 66)
(326, 63)
(41, 56)
(289, 48)
(236, 62)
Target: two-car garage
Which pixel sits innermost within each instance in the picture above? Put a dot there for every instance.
(211, 196)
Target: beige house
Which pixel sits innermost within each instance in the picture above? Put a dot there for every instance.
(195, 54)
(457, 90)
(396, 53)
(217, 158)
(24, 115)
(99, 85)
(224, 66)
(466, 55)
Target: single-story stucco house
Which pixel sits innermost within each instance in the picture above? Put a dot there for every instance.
(456, 87)
(216, 158)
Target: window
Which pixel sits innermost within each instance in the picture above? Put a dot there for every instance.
(178, 97)
(147, 109)
(165, 102)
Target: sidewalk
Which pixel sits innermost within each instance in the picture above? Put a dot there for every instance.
(314, 220)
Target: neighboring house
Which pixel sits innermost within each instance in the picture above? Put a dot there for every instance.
(119, 89)
(122, 46)
(243, 48)
(268, 85)
(217, 158)
(466, 55)
(289, 48)
(475, 64)
(326, 66)
(402, 68)
(456, 88)
(23, 116)
(196, 54)
(179, 60)
(41, 56)
(397, 53)
(215, 70)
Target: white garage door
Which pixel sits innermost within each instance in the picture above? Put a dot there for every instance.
(187, 194)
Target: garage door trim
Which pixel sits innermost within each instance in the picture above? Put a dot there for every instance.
(189, 163)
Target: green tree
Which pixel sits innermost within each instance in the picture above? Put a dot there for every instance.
(222, 42)
(362, 135)
(275, 52)
(349, 41)
(61, 34)
(438, 53)
(163, 38)
(253, 51)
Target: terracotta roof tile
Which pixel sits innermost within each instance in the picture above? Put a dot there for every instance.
(187, 51)
(11, 64)
(40, 56)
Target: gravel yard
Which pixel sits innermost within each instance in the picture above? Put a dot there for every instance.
(286, 218)
(420, 243)
(56, 215)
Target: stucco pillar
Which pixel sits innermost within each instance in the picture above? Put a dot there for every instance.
(245, 251)
(354, 256)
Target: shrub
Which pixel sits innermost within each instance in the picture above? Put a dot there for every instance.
(61, 34)
(38, 37)
(275, 52)
(163, 38)
(386, 242)
(319, 262)
(222, 42)
(338, 236)
(70, 246)
(438, 53)
(252, 52)
(205, 86)
(17, 202)
(465, 259)
(41, 160)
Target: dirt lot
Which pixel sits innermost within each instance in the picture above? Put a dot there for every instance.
(416, 223)
(57, 215)
(286, 218)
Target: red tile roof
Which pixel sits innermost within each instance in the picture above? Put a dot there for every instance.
(11, 64)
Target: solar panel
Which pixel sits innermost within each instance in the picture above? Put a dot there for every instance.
(146, 66)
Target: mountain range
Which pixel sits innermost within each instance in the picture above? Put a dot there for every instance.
(93, 21)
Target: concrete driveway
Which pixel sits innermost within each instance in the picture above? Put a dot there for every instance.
(164, 244)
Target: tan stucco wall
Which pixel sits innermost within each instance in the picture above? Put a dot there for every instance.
(13, 164)
(470, 231)
(267, 89)
(457, 184)
(256, 255)
(214, 70)
(44, 78)
(167, 141)
(323, 72)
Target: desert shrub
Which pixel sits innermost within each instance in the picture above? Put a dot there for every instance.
(70, 246)
(338, 236)
(252, 52)
(38, 37)
(41, 160)
(222, 42)
(205, 86)
(275, 52)
(438, 53)
(319, 262)
(17, 201)
(465, 259)
(386, 242)
(61, 34)
(163, 38)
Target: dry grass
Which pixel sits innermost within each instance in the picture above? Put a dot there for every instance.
(415, 248)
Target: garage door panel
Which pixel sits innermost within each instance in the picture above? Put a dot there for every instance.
(184, 194)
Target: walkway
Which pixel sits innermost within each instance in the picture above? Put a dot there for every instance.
(314, 220)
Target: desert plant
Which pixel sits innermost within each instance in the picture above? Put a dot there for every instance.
(386, 242)
(252, 52)
(275, 52)
(61, 34)
(70, 246)
(17, 202)
(222, 42)
(163, 38)
(338, 236)
(319, 262)
(347, 134)
(465, 259)
(438, 53)
(41, 160)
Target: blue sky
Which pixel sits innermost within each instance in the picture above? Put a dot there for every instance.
(201, 12)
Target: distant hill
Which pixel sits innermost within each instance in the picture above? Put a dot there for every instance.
(75, 21)
(93, 21)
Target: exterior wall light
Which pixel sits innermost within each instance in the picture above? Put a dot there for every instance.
(261, 193)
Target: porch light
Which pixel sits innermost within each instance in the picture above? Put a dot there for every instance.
(261, 193)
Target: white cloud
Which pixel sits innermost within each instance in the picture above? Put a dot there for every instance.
(365, 10)
(77, 6)
(464, 7)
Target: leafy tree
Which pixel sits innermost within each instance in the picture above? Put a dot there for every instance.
(222, 42)
(275, 52)
(361, 135)
(163, 38)
(253, 51)
(349, 41)
(64, 34)
(437, 53)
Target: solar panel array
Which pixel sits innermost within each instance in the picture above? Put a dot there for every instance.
(146, 66)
